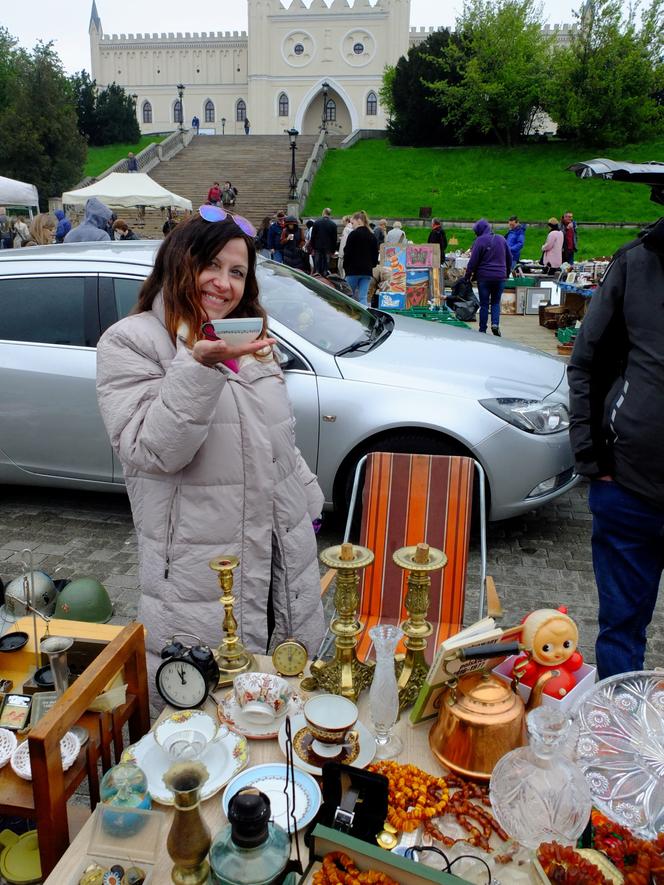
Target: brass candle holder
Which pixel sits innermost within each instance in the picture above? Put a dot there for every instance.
(345, 674)
(231, 655)
(412, 667)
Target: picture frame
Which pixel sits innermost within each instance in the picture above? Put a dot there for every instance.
(535, 296)
(42, 702)
(15, 711)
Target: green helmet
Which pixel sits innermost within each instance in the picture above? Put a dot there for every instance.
(84, 599)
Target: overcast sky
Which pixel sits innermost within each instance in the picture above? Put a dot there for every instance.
(67, 23)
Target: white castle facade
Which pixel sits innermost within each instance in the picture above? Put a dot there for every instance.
(293, 66)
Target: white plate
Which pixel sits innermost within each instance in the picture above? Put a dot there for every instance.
(223, 758)
(366, 739)
(70, 747)
(232, 715)
(270, 779)
(7, 745)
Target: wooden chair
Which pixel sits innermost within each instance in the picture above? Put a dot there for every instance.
(408, 499)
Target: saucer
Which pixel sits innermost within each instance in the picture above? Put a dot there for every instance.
(223, 758)
(358, 752)
(230, 713)
(270, 779)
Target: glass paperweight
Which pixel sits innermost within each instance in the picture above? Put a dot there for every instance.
(537, 793)
(125, 788)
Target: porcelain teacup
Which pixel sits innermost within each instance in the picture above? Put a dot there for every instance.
(262, 697)
(330, 719)
(186, 734)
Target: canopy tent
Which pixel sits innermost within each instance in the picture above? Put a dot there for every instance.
(17, 193)
(643, 173)
(124, 190)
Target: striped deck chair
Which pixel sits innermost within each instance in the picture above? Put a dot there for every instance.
(408, 499)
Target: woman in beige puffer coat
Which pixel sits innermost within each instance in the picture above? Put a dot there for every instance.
(206, 436)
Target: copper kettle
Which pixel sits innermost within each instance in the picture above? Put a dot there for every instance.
(480, 719)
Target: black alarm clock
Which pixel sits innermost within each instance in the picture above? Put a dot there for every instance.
(188, 673)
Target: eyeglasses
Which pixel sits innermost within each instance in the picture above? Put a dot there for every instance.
(215, 213)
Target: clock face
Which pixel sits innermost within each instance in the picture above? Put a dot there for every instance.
(181, 684)
(290, 658)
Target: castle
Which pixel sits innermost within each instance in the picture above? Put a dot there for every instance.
(294, 66)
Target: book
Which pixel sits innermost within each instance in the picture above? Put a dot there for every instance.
(444, 668)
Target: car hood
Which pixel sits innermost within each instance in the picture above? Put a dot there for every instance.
(459, 362)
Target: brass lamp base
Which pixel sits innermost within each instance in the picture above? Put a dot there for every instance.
(231, 656)
(231, 664)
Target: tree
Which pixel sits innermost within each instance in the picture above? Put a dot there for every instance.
(492, 76)
(41, 143)
(85, 91)
(115, 115)
(608, 84)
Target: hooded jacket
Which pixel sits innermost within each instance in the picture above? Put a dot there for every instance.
(94, 226)
(616, 372)
(490, 257)
(515, 238)
(211, 468)
(64, 226)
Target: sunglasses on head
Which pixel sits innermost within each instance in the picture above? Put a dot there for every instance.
(216, 213)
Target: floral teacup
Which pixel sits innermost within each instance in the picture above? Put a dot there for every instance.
(261, 696)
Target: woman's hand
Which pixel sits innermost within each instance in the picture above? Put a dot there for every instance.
(210, 353)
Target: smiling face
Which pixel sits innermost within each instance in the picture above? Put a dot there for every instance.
(555, 641)
(221, 283)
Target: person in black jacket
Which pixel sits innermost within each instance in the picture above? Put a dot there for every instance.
(438, 235)
(360, 256)
(616, 378)
(323, 242)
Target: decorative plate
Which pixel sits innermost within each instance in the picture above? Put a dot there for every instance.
(70, 747)
(223, 758)
(232, 715)
(359, 751)
(620, 749)
(271, 779)
(7, 745)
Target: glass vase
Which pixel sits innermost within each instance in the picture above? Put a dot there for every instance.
(537, 793)
(384, 694)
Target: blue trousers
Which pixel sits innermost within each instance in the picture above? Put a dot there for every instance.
(360, 287)
(490, 292)
(628, 559)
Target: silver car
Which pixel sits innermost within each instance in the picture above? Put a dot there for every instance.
(359, 380)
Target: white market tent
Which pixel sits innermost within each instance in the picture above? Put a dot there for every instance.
(125, 190)
(17, 193)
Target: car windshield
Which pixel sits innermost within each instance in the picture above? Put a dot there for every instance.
(316, 311)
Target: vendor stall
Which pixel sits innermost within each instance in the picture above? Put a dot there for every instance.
(18, 195)
(125, 190)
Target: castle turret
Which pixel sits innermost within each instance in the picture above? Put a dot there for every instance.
(96, 32)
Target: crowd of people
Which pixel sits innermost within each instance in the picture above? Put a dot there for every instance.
(99, 223)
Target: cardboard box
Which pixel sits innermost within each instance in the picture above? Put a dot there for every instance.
(370, 857)
(585, 679)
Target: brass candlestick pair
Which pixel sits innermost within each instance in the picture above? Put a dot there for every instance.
(230, 655)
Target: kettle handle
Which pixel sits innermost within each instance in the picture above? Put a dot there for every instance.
(490, 650)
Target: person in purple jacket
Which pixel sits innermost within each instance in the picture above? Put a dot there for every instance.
(490, 263)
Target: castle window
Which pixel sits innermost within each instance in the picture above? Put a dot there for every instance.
(298, 49)
(331, 111)
(147, 112)
(358, 48)
(209, 111)
(241, 111)
(283, 105)
(177, 111)
(372, 104)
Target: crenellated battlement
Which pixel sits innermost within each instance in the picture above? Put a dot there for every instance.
(173, 37)
(562, 33)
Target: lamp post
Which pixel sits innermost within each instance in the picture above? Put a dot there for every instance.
(292, 137)
(326, 89)
(223, 125)
(180, 88)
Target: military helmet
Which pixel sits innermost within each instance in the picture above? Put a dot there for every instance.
(85, 599)
(17, 594)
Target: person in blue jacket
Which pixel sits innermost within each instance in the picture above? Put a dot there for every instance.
(63, 228)
(515, 237)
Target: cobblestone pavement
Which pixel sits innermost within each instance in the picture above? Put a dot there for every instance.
(540, 559)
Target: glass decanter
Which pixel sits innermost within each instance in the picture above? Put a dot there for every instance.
(537, 793)
(384, 694)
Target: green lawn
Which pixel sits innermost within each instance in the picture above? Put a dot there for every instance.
(592, 243)
(100, 158)
(467, 183)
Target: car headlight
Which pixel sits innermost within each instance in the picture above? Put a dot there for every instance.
(533, 416)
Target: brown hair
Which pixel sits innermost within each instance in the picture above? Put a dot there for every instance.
(120, 225)
(183, 255)
(42, 228)
(361, 216)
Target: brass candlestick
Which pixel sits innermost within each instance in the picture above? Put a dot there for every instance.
(412, 667)
(345, 674)
(231, 655)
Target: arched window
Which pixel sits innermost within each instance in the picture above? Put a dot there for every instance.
(209, 111)
(283, 105)
(241, 111)
(147, 112)
(177, 111)
(372, 104)
(331, 111)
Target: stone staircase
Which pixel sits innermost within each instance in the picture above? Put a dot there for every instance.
(258, 166)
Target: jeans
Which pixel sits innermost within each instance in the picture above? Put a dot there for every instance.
(628, 559)
(321, 262)
(278, 255)
(490, 292)
(360, 287)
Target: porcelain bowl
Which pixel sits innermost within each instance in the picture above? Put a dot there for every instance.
(261, 696)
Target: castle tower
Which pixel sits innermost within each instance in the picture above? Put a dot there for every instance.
(96, 33)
